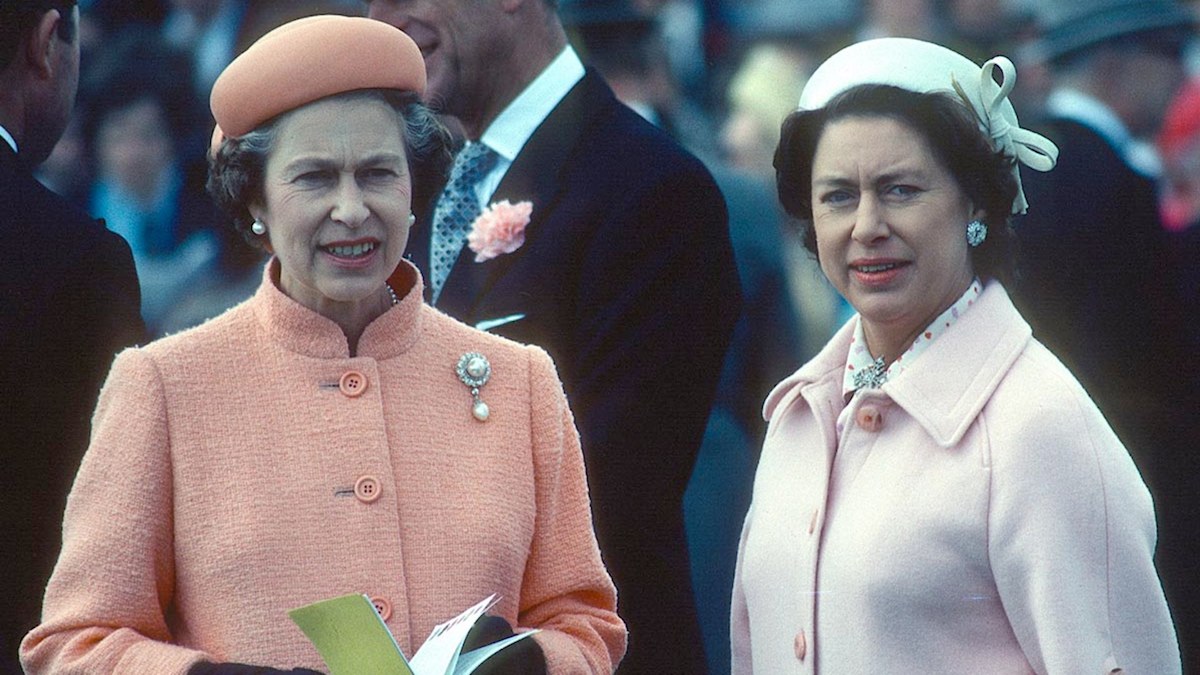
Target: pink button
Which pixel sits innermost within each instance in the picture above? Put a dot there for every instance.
(812, 523)
(353, 383)
(367, 489)
(868, 418)
(800, 644)
(382, 607)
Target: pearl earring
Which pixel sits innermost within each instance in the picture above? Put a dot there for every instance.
(258, 228)
(412, 219)
(976, 233)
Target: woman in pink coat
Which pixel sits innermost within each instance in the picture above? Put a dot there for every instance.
(936, 492)
(332, 434)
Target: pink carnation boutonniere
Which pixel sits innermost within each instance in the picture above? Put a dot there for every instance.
(499, 229)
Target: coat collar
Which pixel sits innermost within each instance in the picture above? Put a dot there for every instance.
(306, 332)
(946, 388)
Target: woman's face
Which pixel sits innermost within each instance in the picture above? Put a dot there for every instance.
(337, 197)
(890, 223)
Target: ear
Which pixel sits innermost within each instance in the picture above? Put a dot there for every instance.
(43, 41)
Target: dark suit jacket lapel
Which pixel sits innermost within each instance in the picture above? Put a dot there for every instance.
(533, 177)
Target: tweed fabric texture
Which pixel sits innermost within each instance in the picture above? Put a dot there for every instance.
(456, 209)
(218, 493)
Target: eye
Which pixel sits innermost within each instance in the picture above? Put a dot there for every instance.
(379, 173)
(902, 191)
(315, 177)
(836, 198)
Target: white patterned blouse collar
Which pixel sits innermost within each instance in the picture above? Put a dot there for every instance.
(862, 370)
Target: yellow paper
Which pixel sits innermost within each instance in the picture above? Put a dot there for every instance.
(351, 637)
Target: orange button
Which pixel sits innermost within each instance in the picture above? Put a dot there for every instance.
(800, 644)
(868, 418)
(367, 489)
(382, 607)
(353, 383)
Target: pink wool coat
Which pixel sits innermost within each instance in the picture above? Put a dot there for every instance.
(976, 515)
(236, 471)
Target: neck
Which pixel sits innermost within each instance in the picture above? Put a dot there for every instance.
(354, 319)
(528, 61)
(891, 340)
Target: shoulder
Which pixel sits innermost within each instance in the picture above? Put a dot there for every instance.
(615, 134)
(1040, 422)
(228, 336)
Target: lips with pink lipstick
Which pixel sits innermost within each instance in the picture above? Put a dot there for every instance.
(877, 271)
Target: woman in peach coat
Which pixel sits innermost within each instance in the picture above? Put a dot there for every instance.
(332, 434)
(936, 493)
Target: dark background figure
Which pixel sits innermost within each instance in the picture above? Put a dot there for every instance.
(1096, 281)
(68, 301)
(146, 150)
(626, 277)
(624, 44)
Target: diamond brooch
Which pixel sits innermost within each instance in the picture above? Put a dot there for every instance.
(474, 371)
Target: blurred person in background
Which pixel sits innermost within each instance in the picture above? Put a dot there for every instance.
(1096, 279)
(68, 302)
(762, 91)
(622, 41)
(148, 167)
(917, 19)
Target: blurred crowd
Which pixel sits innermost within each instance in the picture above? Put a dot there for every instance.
(719, 75)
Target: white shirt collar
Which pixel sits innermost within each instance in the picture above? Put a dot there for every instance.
(1077, 106)
(12, 142)
(509, 132)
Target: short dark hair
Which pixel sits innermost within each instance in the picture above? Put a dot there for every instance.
(18, 18)
(236, 170)
(952, 134)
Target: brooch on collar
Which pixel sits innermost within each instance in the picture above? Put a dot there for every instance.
(474, 371)
(872, 376)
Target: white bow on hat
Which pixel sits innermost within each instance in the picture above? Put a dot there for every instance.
(925, 67)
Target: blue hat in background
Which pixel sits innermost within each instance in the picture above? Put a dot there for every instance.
(1068, 26)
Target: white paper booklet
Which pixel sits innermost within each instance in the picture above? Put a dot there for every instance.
(353, 639)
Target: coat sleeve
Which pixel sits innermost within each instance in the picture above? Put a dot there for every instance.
(566, 591)
(106, 604)
(1071, 543)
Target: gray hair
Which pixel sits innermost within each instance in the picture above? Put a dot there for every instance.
(236, 169)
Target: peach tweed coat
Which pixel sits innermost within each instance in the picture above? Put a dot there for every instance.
(235, 474)
(975, 515)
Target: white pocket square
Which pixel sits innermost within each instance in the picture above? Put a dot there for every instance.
(488, 324)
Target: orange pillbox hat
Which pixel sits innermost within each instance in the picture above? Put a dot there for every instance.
(308, 59)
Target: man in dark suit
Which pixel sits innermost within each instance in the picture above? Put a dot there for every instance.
(626, 276)
(1094, 278)
(68, 301)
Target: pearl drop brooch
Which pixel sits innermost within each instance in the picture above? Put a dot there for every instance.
(474, 371)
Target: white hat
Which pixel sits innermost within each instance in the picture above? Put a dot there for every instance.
(924, 67)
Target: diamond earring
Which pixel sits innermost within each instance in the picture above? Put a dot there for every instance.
(976, 233)
(258, 228)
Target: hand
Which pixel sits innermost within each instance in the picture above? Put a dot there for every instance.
(205, 668)
(523, 658)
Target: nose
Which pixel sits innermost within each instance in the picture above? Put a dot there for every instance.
(869, 222)
(349, 207)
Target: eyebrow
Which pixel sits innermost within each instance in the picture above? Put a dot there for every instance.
(900, 175)
(325, 162)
